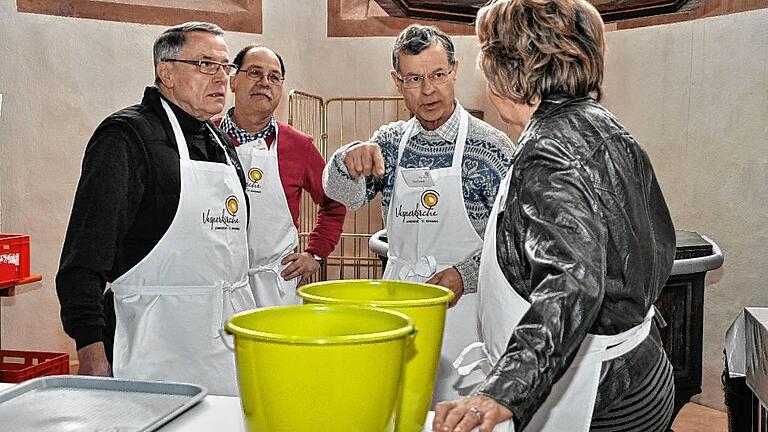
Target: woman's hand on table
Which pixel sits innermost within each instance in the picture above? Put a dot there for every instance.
(465, 414)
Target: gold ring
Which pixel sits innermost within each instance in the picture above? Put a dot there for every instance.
(477, 413)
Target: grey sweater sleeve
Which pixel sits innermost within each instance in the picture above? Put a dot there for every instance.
(469, 269)
(339, 185)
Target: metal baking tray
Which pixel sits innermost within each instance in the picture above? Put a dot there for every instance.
(81, 403)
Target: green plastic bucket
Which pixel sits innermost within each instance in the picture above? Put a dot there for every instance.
(320, 367)
(426, 305)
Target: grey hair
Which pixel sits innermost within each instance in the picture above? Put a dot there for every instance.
(171, 41)
(416, 38)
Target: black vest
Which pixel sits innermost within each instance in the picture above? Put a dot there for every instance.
(155, 140)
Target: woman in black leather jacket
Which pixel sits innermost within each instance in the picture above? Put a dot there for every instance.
(583, 241)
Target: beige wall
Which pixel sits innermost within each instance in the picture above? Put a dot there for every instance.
(695, 94)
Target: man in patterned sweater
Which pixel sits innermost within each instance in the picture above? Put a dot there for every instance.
(438, 175)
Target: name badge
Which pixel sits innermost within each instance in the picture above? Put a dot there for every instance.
(417, 177)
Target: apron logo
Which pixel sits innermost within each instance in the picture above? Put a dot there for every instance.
(232, 205)
(429, 199)
(228, 219)
(255, 174)
(254, 177)
(424, 211)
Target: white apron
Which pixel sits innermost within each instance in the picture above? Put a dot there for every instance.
(569, 406)
(171, 306)
(271, 232)
(428, 231)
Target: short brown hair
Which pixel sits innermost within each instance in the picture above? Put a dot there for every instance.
(530, 49)
(416, 38)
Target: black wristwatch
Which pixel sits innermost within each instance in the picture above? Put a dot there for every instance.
(320, 260)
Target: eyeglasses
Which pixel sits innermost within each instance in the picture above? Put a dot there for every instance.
(257, 74)
(208, 67)
(415, 81)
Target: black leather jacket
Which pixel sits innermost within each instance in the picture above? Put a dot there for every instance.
(587, 239)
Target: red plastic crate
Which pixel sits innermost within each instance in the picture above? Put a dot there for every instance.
(18, 366)
(14, 257)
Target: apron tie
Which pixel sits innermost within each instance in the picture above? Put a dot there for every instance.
(233, 300)
(274, 267)
(466, 369)
(614, 346)
(424, 268)
(228, 297)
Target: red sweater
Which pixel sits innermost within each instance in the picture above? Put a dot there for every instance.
(301, 168)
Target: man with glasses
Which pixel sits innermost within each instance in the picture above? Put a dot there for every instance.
(438, 175)
(280, 163)
(160, 212)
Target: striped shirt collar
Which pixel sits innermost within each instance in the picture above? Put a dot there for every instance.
(229, 126)
(447, 131)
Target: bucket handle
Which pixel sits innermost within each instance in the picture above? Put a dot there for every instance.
(410, 345)
(412, 336)
(225, 339)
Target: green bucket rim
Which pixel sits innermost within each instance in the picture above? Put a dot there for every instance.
(444, 299)
(381, 336)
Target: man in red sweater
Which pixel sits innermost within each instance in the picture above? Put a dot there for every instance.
(279, 162)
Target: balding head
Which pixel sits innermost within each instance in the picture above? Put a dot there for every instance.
(241, 56)
(258, 85)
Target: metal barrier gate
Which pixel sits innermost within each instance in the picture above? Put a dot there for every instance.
(306, 112)
(332, 123)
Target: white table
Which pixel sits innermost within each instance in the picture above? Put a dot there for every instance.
(223, 414)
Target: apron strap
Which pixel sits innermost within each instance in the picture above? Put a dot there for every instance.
(181, 142)
(223, 290)
(227, 297)
(275, 268)
(466, 369)
(595, 348)
(229, 289)
(461, 138)
(600, 348)
(425, 267)
(272, 267)
(218, 141)
(404, 140)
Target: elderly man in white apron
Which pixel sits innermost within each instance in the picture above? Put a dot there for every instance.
(282, 164)
(172, 305)
(271, 233)
(437, 174)
(194, 278)
(422, 245)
